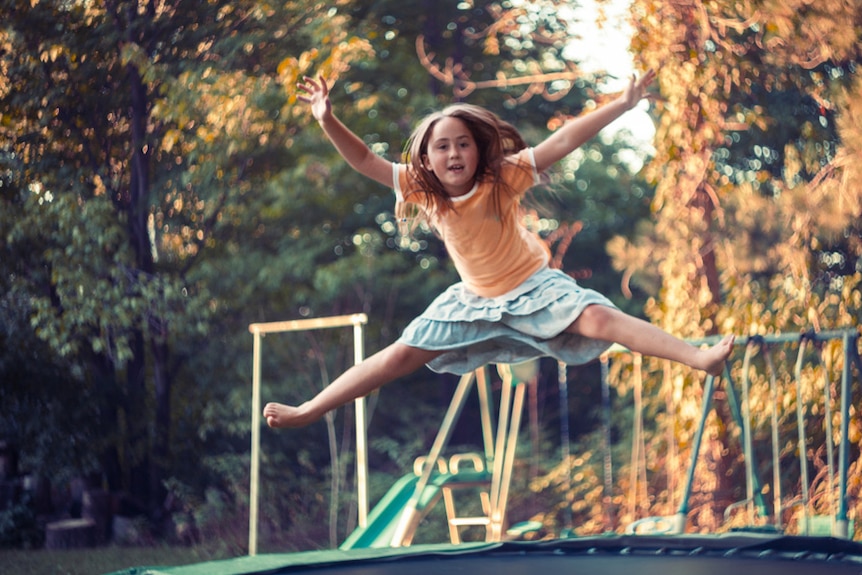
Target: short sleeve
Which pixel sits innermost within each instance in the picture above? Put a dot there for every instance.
(520, 173)
(397, 170)
(406, 187)
(531, 156)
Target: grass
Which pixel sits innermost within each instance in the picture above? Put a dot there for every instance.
(96, 561)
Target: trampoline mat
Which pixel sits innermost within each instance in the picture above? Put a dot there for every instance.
(593, 565)
(729, 554)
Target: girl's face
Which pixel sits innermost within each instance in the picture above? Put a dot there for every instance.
(452, 155)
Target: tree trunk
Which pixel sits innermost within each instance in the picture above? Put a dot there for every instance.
(137, 447)
(704, 201)
(149, 481)
(723, 453)
(162, 439)
(104, 379)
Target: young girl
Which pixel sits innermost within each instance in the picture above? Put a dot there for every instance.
(467, 170)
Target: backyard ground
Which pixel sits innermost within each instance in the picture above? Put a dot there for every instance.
(96, 561)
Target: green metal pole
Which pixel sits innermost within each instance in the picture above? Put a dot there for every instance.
(682, 512)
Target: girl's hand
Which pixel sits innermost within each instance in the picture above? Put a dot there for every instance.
(317, 95)
(637, 89)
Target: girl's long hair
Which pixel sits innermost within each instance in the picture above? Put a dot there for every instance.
(495, 138)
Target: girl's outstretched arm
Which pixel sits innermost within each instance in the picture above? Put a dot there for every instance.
(349, 145)
(576, 132)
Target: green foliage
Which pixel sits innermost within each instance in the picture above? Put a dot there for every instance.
(161, 189)
(19, 526)
(49, 407)
(757, 210)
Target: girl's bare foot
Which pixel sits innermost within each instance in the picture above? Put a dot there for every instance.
(279, 415)
(715, 356)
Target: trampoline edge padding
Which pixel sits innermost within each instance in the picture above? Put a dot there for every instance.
(607, 554)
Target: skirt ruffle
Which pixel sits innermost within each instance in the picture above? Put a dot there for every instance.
(526, 323)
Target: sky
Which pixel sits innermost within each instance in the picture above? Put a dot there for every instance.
(605, 47)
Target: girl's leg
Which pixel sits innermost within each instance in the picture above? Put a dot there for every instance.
(612, 325)
(395, 361)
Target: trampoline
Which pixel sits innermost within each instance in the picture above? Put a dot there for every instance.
(601, 555)
(381, 545)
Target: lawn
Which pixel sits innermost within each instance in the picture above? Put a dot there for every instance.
(96, 561)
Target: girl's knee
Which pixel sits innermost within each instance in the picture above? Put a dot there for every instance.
(593, 320)
(399, 352)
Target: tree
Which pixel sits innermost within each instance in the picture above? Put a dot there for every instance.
(161, 190)
(133, 136)
(757, 204)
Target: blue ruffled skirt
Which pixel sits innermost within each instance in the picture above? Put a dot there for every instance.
(526, 323)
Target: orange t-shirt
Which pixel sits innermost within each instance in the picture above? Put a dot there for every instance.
(492, 254)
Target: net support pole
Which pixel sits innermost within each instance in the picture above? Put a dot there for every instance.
(258, 330)
(842, 523)
(682, 512)
(254, 473)
(361, 434)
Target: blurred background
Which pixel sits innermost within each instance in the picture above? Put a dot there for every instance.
(161, 189)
